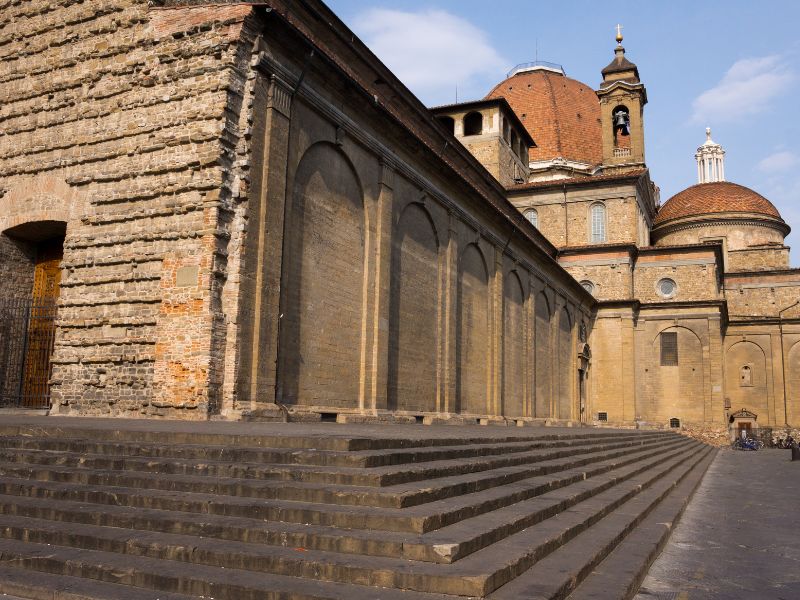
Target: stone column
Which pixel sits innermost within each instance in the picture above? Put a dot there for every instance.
(530, 348)
(376, 365)
(267, 228)
(496, 371)
(450, 315)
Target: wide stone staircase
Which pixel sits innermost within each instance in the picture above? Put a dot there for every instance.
(90, 510)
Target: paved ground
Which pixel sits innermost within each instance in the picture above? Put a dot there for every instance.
(740, 535)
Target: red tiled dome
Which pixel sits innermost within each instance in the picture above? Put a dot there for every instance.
(561, 114)
(713, 198)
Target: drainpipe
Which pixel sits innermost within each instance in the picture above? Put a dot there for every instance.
(783, 364)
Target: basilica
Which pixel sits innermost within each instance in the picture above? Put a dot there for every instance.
(235, 211)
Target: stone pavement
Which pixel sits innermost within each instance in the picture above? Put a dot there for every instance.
(740, 535)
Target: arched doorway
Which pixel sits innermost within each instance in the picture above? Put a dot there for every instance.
(30, 266)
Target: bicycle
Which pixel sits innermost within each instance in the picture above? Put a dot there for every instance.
(748, 444)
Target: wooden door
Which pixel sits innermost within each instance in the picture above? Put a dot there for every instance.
(41, 324)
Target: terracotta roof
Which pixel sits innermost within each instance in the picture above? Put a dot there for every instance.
(713, 198)
(561, 114)
(587, 179)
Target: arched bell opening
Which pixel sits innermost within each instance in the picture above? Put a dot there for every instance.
(30, 268)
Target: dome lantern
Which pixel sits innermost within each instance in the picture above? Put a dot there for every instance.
(710, 159)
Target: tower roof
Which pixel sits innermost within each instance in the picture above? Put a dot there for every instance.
(560, 113)
(620, 69)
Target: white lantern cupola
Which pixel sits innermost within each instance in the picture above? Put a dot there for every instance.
(710, 159)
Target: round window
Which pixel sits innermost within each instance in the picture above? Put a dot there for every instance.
(588, 286)
(667, 288)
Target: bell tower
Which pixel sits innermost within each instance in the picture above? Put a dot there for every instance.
(622, 98)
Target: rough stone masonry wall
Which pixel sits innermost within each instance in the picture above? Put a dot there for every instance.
(16, 268)
(134, 112)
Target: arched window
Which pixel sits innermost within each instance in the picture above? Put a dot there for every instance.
(532, 216)
(473, 124)
(448, 123)
(746, 376)
(598, 223)
(675, 423)
(588, 286)
(621, 118)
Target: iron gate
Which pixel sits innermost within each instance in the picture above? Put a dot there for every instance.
(27, 334)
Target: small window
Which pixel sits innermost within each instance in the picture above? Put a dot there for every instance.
(666, 288)
(448, 123)
(598, 222)
(473, 124)
(675, 423)
(588, 286)
(746, 376)
(602, 416)
(514, 142)
(532, 216)
(669, 349)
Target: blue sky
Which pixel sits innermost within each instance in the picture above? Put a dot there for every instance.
(731, 65)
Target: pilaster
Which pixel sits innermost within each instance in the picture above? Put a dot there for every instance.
(267, 225)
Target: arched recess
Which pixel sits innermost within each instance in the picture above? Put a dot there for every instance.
(472, 327)
(678, 390)
(514, 347)
(30, 270)
(413, 326)
(793, 385)
(753, 395)
(473, 123)
(544, 353)
(319, 353)
(567, 370)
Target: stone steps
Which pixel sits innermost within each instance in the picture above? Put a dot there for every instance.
(564, 570)
(397, 496)
(419, 519)
(434, 518)
(476, 575)
(308, 457)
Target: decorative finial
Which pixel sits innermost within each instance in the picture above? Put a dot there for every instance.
(619, 34)
(708, 134)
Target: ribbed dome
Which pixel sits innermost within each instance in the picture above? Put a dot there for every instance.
(561, 114)
(713, 198)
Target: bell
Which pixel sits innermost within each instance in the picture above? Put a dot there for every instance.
(621, 122)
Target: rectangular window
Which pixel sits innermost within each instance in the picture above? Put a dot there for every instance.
(669, 349)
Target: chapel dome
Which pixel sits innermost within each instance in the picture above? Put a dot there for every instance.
(720, 198)
(561, 114)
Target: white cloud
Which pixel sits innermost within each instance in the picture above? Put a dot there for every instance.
(745, 89)
(432, 52)
(779, 161)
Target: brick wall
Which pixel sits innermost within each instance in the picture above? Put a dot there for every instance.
(16, 268)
